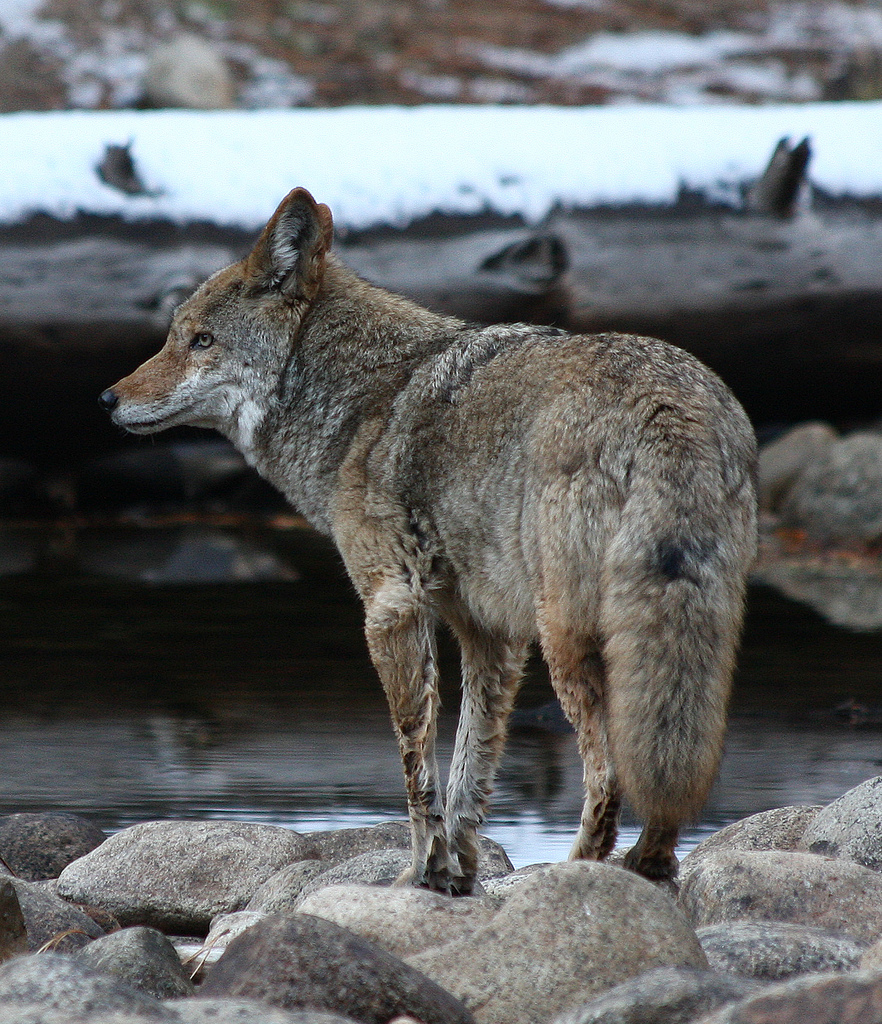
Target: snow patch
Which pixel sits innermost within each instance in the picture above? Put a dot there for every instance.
(391, 165)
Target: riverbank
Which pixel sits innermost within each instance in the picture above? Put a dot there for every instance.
(783, 910)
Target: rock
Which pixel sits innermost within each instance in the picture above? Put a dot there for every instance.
(378, 867)
(872, 957)
(188, 72)
(772, 951)
(177, 875)
(566, 933)
(52, 986)
(783, 460)
(38, 846)
(667, 995)
(50, 919)
(248, 1011)
(846, 592)
(345, 843)
(500, 888)
(850, 827)
(402, 920)
(281, 891)
(13, 933)
(144, 958)
(224, 929)
(300, 961)
(41, 845)
(779, 829)
(813, 999)
(838, 497)
(341, 844)
(794, 888)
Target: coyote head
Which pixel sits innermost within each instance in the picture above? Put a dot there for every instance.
(230, 341)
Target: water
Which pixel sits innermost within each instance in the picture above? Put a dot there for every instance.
(188, 671)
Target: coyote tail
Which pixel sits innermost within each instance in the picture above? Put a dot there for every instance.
(671, 615)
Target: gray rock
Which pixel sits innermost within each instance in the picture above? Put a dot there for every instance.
(299, 961)
(813, 999)
(500, 888)
(50, 919)
(378, 867)
(850, 827)
(872, 957)
(281, 891)
(41, 845)
(772, 951)
(224, 928)
(53, 986)
(343, 844)
(565, 934)
(248, 1011)
(778, 829)
(402, 920)
(795, 888)
(783, 461)
(13, 932)
(846, 593)
(188, 72)
(144, 958)
(667, 995)
(838, 497)
(177, 875)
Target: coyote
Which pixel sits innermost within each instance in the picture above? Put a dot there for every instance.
(594, 494)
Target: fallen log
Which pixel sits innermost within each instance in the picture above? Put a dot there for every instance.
(788, 311)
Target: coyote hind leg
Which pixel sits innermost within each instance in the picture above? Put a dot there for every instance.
(653, 854)
(578, 677)
(491, 675)
(400, 632)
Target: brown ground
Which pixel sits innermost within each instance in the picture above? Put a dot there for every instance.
(395, 51)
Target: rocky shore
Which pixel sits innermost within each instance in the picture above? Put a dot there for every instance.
(777, 917)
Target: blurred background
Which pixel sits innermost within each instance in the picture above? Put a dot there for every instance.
(175, 640)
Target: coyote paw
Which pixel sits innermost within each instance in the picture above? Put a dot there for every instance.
(436, 880)
(659, 867)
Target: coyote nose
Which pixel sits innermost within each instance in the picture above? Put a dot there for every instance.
(108, 399)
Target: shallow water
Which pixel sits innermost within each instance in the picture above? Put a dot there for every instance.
(195, 672)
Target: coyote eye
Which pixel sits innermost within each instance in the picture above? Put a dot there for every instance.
(202, 340)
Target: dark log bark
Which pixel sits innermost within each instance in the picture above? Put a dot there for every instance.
(789, 312)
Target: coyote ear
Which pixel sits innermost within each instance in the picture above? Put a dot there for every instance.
(289, 256)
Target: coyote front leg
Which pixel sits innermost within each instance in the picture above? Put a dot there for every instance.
(400, 630)
(491, 674)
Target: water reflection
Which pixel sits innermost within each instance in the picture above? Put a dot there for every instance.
(255, 698)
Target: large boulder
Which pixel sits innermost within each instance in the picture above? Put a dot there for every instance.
(796, 888)
(402, 920)
(781, 828)
(13, 931)
(40, 845)
(782, 461)
(50, 919)
(667, 995)
(566, 933)
(177, 875)
(770, 951)
(144, 958)
(838, 497)
(813, 999)
(54, 987)
(301, 961)
(850, 827)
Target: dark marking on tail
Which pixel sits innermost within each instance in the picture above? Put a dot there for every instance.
(676, 560)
